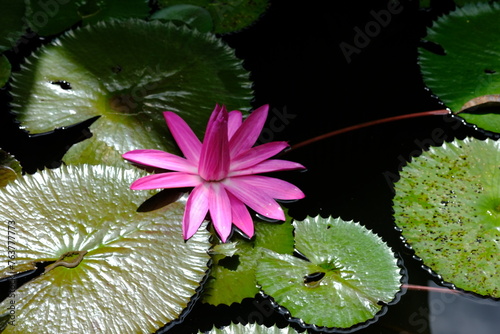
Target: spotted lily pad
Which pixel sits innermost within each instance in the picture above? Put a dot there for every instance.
(227, 16)
(347, 275)
(52, 17)
(116, 270)
(128, 72)
(465, 72)
(250, 329)
(447, 204)
(232, 277)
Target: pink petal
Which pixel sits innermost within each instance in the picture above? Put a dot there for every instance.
(272, 187)
(249, 131)
(196, 210)
(166, 180)
(258, 200)
(257, 154)
(241, 216)
(273, 165)
(234, 122)
(214, 157)
(220, 210)
(215, 114)
(189, 144)
(160, 159)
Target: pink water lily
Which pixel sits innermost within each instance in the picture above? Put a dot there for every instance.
(222, 170)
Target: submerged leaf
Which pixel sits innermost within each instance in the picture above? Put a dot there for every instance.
(12, 24)
(347, 277)
(5, 69)
(119, 271)
(10, 168)
(447, 204)
(194, 16)
(4, 320)
(128, 72)
(53, 17)
(464, 2)
(467, 70)
(232, 277)
(228, 16)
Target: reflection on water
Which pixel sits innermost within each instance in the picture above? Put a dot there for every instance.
(462, 313)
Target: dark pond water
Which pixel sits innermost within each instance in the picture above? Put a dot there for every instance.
(309, 63)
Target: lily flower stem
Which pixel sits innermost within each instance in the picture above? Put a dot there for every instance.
(441, 112)
(429, 289)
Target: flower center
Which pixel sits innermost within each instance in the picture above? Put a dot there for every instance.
(213, 179)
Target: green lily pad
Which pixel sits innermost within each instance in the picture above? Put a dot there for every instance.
(10, 168)
(250, 329)
(5, 69)
(228, 16)
(116, 270)
(12, 26)
(194, 16)
(447, 204)
(95, 151)
(347, 277)
(468, 73)
(232, 277)
(129, 72)
(53, 17)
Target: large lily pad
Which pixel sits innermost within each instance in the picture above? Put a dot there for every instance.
(129, 72)
(447, 204)
(116, 270)
(250, 329)
(348, 273)
(466, 73)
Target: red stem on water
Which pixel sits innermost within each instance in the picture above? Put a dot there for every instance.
(430, 288)
(441, 112)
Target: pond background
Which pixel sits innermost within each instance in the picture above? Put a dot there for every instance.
(299, 68)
